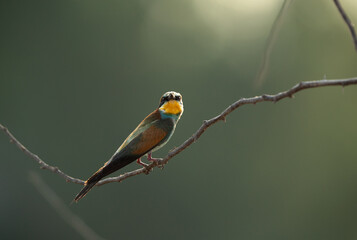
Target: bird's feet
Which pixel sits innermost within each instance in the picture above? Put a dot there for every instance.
(158, 161)
(141, 163)
(145, 165)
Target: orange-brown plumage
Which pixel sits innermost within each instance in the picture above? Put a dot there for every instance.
(149, 139)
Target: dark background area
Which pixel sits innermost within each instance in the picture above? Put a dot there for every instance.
(78, 76)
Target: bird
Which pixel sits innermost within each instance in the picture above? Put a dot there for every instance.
(150, 135)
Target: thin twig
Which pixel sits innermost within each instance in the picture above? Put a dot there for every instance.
(73, 220)
(347, 21)
(206, 124)
(264, 66)
(43, 165)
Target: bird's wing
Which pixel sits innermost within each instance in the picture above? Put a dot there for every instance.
(149, 121)
(147, 140)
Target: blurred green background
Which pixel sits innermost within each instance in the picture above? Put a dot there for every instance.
(78, 76)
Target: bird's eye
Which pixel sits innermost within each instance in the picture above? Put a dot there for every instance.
(178, 98)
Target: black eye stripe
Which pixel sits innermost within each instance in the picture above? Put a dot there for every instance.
(169, 96)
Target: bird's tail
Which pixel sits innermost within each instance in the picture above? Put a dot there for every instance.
(90, 183)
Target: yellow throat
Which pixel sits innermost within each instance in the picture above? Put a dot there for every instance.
(172, 107)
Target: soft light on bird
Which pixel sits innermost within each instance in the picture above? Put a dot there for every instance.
(150, 135)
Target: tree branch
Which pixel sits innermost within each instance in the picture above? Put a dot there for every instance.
(42, 164)
(264, 66)
(348, 22)
(205, 125)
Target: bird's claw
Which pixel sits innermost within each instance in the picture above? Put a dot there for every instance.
(142, 163)
(157, 161)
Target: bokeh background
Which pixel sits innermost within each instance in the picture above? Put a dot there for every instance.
(76, 77)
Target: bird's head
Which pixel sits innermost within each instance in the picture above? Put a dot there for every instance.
(171, 104)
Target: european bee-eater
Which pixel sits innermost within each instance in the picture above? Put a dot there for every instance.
(150, 135)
